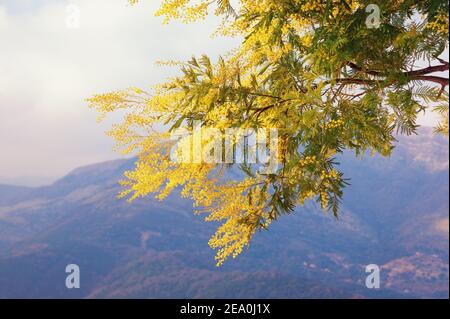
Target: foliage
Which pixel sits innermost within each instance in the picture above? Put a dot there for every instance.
(314, 70)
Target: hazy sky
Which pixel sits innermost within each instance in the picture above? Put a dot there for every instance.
(48, 68)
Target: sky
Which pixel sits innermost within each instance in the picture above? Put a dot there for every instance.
(51, 61)
(49, 65)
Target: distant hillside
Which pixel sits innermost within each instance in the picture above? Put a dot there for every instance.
(27, 181)
(395, 214)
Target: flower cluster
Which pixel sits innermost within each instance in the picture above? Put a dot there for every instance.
(333, 124)
(308, 160)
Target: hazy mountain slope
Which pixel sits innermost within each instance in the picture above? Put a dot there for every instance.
(10, 194)
(395, 214)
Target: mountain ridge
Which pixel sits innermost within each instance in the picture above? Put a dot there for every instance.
(395, 214)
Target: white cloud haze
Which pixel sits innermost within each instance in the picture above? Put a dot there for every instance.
(47, 70)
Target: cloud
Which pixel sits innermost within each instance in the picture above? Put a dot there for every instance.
(48, 69)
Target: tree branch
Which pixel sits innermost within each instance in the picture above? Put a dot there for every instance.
(421, 74)
(436, 79)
